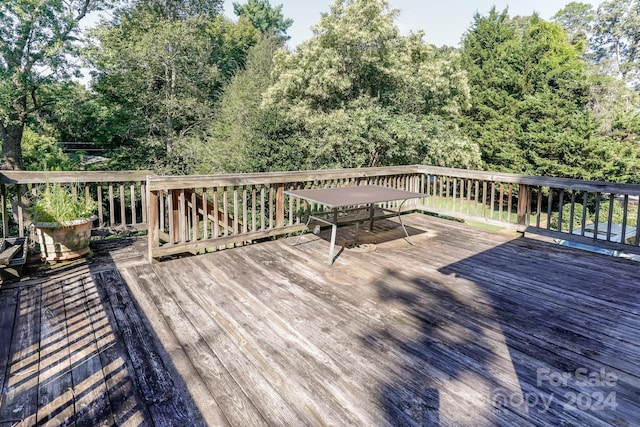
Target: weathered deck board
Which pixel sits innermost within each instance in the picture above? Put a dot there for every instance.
(250, 380)
(63, 358)
(220, 383)
(165, 405)
(435, 333)
(19, 402)
(462, 329)
(55, 384)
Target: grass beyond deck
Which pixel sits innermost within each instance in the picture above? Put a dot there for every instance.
(467, 327)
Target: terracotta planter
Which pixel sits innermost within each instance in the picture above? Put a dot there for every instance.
(66, 240)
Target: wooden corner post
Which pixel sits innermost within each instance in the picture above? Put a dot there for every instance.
(524, 204)
(280, 205)
(153, 236)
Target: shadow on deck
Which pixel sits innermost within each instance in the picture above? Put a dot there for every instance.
(76, 350)
(467, 327)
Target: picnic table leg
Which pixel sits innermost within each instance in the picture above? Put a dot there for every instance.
(371, 211)
(334, 229)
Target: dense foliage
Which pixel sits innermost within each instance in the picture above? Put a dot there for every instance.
(179, 88)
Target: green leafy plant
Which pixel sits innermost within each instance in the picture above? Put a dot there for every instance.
(57, 203)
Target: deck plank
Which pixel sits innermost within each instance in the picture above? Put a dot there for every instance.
(165, 406)
(272, 344)
(142, 281)
(92, 405)
(55, 393)
(453, 330)
(250, 381)
(347, 347)
(20, 392)
(127, 405)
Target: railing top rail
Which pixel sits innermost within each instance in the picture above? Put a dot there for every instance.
(39, 177)
(542, 181)
(196, 181)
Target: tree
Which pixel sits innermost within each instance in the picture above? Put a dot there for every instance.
(38, 42)
(268, 20)
(577, 19)
(530, 99)
(239, 122)
(616, 37)
(360, 94)
(166, 71)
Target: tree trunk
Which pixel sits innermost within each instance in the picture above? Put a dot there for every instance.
(11, 135)
(12, 145)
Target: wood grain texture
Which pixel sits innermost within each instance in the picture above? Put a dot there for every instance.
(454, 330)
(439, 333)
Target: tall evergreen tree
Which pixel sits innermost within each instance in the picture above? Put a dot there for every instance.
(530, 96)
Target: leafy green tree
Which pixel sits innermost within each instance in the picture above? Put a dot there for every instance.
(616, 37)
(239, 120)
(42, 152)
(360, 94)
(577, 19)
(38, 44)
(267, 19)
(165, 71)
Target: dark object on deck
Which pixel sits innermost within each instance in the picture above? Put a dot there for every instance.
(13, 256)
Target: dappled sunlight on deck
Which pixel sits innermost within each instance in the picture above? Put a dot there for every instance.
(64, 358)
(466, 327)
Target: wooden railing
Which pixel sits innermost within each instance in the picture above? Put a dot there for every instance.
(196, 213)
(556, 207)
(121, 197)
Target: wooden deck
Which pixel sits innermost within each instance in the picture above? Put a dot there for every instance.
(465, 328)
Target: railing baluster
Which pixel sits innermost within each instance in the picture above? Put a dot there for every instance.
(610, 218)
(560, 206)
(549, 207)
(625, 213)
(253, 207)
(493, 199)
(205, 214)
(182, 216)
(225, 210)
(585, 197)
(572, 213)
(195, 216)
(5, 221)
(112, 207)
(271, 206)
(123, 207)
(134, 214)
(245, 210)
(172, 217)
(597, 216)
(484, 199)
(236, 211)
(143, 201)
(510, 203)
(501, 202)
(476, 196)
(216, 213)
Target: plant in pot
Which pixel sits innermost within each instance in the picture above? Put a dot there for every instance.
(63, 222)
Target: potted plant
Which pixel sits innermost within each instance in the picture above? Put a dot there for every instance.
(63, 222)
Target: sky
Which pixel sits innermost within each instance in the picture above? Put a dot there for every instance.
(443, 21)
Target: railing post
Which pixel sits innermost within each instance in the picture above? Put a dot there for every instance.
(280, 205)
(153, 227)
(524, 202)
(5, 221)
